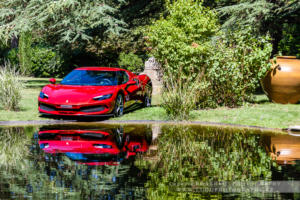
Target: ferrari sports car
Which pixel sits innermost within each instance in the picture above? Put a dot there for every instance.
(95, 91)
(93, 147)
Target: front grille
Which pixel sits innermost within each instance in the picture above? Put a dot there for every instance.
(92, 109)
(88, 109)
(46, 107)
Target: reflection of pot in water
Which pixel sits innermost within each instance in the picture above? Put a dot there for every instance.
(282, 83)
(286, 148)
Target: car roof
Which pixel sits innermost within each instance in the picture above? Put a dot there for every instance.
(101, 68)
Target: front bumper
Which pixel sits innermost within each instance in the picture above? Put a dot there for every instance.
(93, 110)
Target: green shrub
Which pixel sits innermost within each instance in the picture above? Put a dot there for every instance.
(10, 88)
(12, 56)
(180, 97)
(46, 62)
(131, 61)
(289, 45)
(188, 43)
(235, 67)
(182, 39)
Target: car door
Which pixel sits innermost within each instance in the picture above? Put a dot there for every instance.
(132, 88)
(123, 81)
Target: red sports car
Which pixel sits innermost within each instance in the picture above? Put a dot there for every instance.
(95, 91)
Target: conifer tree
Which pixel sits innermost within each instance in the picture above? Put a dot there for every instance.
(60, 21)
(262, 15)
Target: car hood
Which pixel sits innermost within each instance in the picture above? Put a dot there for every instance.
(73, 95)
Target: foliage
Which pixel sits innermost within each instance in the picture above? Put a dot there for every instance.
(3, 49)
(201, 155)
(238, 62)
(46, 62)
(131, 62)
(247, 13)
(182, 39)
(136, 14)
(188, 44)
(25, 52)
(10, 88)
(180, 96)
(12, 56)
(262, 15)
(290, 43)
(61, 22)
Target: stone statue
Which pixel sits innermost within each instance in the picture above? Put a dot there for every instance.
(154, 71)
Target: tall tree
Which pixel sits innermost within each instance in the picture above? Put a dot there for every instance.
(61, 22)
(25, 52)
(263, 15)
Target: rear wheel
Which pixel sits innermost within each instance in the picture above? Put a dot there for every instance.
(119, 106)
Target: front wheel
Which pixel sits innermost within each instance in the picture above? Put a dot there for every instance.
(119, 106)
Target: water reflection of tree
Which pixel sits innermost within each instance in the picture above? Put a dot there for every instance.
(190, 155)
(57, 177)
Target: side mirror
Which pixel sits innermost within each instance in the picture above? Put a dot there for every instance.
(52, 80)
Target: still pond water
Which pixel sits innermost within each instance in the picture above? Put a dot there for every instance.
(147, 162)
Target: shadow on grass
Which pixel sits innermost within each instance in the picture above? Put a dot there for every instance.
(22, 109)
(260, 99)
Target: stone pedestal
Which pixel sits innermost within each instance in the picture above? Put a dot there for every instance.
(154, 71)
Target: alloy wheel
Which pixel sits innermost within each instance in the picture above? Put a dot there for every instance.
(119, 106)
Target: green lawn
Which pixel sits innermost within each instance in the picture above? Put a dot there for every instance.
(29, 104)
(28, 109)
(262, 113)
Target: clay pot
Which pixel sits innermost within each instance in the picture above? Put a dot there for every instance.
(282, 82)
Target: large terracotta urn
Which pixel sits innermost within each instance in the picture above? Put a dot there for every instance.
(282, 82)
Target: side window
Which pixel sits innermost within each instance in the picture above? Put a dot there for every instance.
(125, 77)
(122, 77)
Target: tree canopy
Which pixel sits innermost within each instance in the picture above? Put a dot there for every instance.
(60, 22)
(98, 32)
(262, 15)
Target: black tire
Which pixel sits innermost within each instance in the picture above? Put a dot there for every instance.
(119, 106)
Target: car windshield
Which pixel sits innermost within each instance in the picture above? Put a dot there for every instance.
(91, 77)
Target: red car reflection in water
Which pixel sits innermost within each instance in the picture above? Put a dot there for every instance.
(93, 147)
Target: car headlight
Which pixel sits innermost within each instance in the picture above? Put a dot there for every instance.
(102, 97)
(43, 95)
